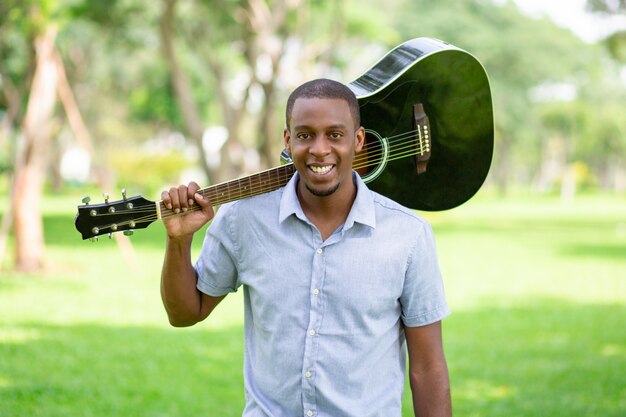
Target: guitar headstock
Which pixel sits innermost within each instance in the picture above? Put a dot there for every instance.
(93, 220)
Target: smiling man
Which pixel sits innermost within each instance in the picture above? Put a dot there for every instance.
(339, 281)
(322, 136)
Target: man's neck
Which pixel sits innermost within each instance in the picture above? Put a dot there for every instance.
(327, 213)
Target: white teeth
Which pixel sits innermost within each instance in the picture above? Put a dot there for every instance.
(321, 170)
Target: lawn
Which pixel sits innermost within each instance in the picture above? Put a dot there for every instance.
(537, 289)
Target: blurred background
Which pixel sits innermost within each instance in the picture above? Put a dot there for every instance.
(96, 96)
(142, 95)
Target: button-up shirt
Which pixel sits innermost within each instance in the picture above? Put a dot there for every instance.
(323, 319)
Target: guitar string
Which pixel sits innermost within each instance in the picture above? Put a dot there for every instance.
(373, 157)
(370, 159)
(259, 189)
(360, 162)
(274, 183)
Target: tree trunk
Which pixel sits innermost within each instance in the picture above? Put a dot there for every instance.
(32, 157)
(500, 167)
(271, 143)
(553, 165)
(182, 86)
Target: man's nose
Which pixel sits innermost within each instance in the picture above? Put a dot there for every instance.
(320, 146)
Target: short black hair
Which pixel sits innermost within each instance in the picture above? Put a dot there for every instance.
(324, 88)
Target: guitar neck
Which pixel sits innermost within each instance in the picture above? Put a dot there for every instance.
(255, 184)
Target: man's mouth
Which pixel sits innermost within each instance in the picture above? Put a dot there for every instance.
(321, 169)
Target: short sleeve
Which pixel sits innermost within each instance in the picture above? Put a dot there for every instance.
(216, 266)
(423, 297)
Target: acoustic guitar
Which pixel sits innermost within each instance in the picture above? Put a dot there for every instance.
(427, 110)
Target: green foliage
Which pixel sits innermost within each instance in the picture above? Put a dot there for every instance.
(6, 158)
(16, 50)
(616, 44)
(147, 172)
(607, 6)
(112, 14)
(153, 101)
(606, 136)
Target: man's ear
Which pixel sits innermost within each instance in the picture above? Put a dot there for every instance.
(287, 140)
(359, 139)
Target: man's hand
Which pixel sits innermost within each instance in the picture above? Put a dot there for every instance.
(192, 211)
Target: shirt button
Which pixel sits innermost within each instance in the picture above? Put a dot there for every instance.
(308, 374)
(309, 413)
(316, 292)
(319, 251)
(311, 332)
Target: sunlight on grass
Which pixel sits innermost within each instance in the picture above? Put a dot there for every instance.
(17, 335)
(515, 251)
(475, 390)
(613, 350)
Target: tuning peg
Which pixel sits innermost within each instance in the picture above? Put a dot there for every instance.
(128, 205)
(106, 197)
(110, 235)
(86, 200)
(93, 239)
(129, 232)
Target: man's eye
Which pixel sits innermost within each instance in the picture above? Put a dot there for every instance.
(335, 135)
(303, 136)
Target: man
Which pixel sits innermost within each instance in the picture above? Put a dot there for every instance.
(336, 278)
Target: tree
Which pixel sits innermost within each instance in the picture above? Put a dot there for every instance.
(260, 29)
(40, 23)
(32, 155)
(245, 47)
(17, 59)
(615, 42)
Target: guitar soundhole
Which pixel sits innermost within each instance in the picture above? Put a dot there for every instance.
(371, 161)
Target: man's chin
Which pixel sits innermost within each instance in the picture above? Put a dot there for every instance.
(322, 192)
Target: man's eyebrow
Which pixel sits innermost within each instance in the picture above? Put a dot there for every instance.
(338, 126)
(306, 127)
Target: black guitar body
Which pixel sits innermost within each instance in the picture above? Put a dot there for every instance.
(454, 90)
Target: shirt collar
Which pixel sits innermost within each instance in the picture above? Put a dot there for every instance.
(362, 210)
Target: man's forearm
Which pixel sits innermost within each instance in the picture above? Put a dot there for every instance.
(431, 392)
(180, 296)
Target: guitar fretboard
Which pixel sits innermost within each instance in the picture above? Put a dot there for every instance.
(255, 184)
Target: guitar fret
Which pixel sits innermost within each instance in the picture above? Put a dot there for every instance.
(251, 185)
(232, 188)
(240, 189)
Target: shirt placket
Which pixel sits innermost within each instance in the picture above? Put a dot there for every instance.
(309, 403)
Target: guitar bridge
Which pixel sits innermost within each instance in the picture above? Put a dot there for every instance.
(422, 138)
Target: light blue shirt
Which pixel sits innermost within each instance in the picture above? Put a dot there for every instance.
(323, 319)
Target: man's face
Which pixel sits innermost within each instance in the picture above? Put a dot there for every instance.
(322, 141)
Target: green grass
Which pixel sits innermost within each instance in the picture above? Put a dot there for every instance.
(537, 289)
